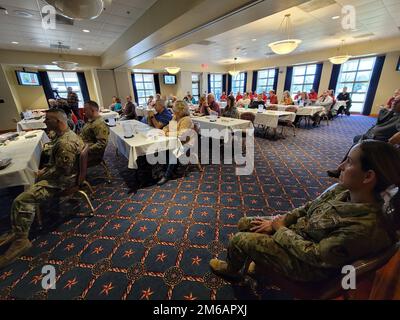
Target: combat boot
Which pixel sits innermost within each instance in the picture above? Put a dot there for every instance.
(220, 268)
(19, 246)
(7, 238)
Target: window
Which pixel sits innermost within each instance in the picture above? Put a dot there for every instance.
(196, 86)
(303, 78)
(265, 80)
(145, 88)
(60, 81)
(238, 83)
(216, 85)
(356, 75)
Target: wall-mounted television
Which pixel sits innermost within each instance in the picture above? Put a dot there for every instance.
(398, 65)
(28, 78)
(169, 79)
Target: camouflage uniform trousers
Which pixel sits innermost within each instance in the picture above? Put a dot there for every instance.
(24, 206)
(268, 255)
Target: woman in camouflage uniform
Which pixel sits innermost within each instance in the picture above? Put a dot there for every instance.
(348, 222)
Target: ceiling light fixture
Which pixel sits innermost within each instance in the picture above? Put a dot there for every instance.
(86, 30)
(63, 64)
(234, 72)
(253, 39)
(340, 58)
(335, 17)
(15, 42)
(79, 49)
(172, 70)
(78, 9)
(285, 46)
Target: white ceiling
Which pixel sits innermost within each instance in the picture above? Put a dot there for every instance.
(376, 19)
(103, 31)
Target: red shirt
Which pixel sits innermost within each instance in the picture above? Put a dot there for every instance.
(273, 99)
(223, 98)
(264, 97)
(313, 96)
(238, 97)
(297, 97)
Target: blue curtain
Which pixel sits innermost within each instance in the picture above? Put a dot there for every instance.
(83, 85)
(376, 75)
(209, 83)
(45, 81)
(334, 77)
(134, 88)
(276, 79)
(157, 83)
(317, 78)
(224, 83)
(288, 80)
(229, 84)
(245, 82)
(254, 82)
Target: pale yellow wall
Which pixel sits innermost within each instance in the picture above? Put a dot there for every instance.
(167, 90)
(107, 86)
(93, 93)
(123, 82)
(389, 81)
(8, 109)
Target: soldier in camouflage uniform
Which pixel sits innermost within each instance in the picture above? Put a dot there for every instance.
(95, 133)
(60, 173)
(315, 241)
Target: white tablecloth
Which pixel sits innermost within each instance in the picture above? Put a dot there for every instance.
(269, 118)
(31, 124)
(142, 143)
(143, 111)
(25, 154)
(223, 126)
(302, 111)
(109, 115)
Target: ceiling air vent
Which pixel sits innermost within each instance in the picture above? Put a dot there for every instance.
(205, 43)
(313, 5)
(58, 46)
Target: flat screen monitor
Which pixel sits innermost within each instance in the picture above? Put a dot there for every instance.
(398, 65)
(169, 79)
(28, 78)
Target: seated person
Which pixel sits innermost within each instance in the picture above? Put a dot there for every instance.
(245, 101)
(179, 127)
(161, 118)
(59, 174)
(189, 99)
(344, 96)
(273, 98)
(391, 99)
(385, 130)
(302, 100)
(230, 110)
(313, 96)
(95, 133)
(129, 110)
(325, 101)
(117, 107)
(297, 96)
(265, 97)
(202, 105)
(114, 100)
(238, 96)
(223, 97)
(257, 102)
(287, 99)
(52, 103)
(211, 105)
(347, 223)
(151, 101)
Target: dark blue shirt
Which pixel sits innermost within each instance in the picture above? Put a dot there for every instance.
(164, 117)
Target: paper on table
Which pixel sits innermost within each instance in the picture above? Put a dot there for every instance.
(111, 122)
(260, 108)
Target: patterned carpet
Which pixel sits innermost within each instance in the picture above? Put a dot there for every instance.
(156, 243)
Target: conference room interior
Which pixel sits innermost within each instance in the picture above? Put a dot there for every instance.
(137, 232)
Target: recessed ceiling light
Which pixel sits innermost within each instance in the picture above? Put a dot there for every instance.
(335, 17)
(79, 49)
(15, 42)
(253, 39)
(86, 30)
(23, 14)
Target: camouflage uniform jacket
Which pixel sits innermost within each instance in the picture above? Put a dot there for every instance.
(95, 133)
(63, 165)
(331, 232)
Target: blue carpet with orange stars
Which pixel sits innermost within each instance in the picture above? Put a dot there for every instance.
(156, 243)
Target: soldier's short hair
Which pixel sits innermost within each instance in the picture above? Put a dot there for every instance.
(59, 113)
(92, 104)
